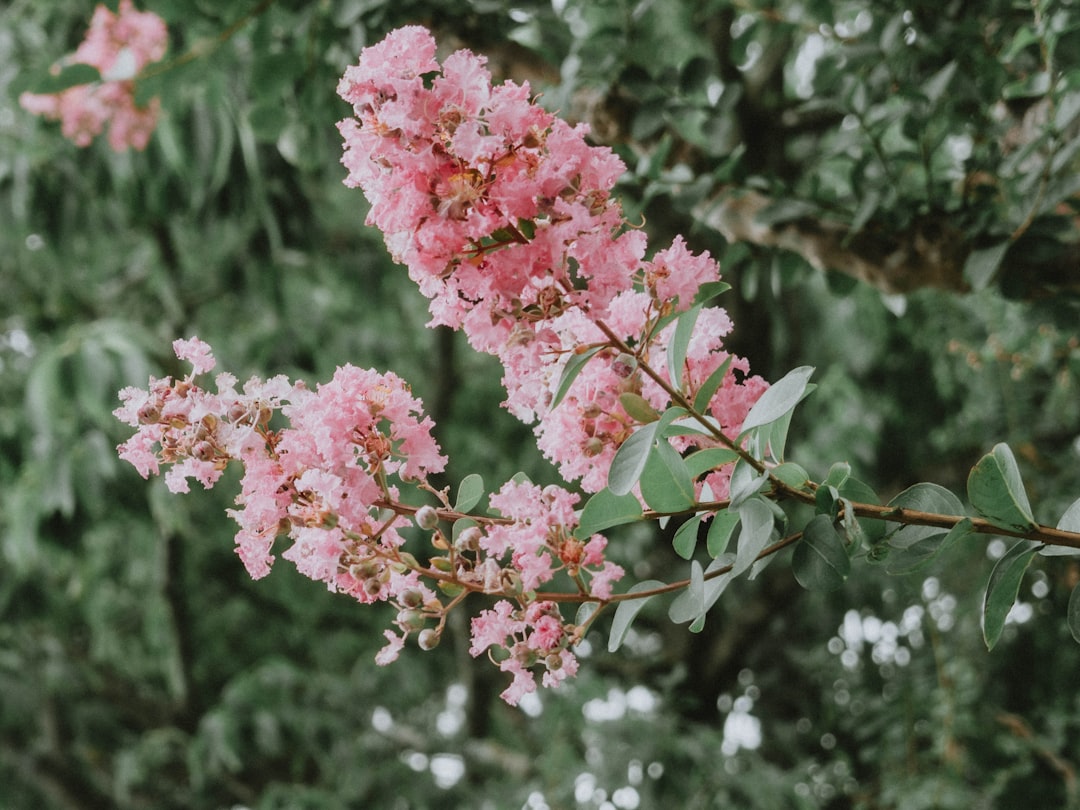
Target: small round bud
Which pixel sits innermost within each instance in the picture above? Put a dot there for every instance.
(426, 517)
(410, 620)
(624, 365)
(511, 583)
(149, 412)
(553, 661)
(593, 447)
(428, 639)
(203, 451)
(592, 410)
(238, 412)
(469, 540)
(412, 597)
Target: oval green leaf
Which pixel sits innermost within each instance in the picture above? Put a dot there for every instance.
(1002, 588)
(677, 346)
(779, 399)
(685, 540)
(757, 525)
(570, 373)
(666, 485)
(627, 611)
(604, 510)
(720, 530)
(470, 491)
(1070, 522)
(820, 561)
(630, 458)
(996, 491)
(709, 459)
(638, 408)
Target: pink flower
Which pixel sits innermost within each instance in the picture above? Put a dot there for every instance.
(119, 45)
(389, 653)
(195, 352)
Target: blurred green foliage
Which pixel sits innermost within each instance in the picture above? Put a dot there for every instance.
(138, 666)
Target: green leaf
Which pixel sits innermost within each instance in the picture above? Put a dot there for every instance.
(52, 81)
(937, 84)
(924, 497)
(981, 265)
(1070, 522)
(996, 491)
(745, 482)
(711, 386)
(571, 370)
(1002, 588)
(629, 461)
(677, 346)
(1073, 613)
(693, 603)
(790, 474)
(838, 475)
(627, 611)
(855, 490)
(638, 408)
(721, 528)
(757, 525)
(710, 290)
(685, 540)
(604, 510)
(820, 561)
(470, 491)
(709, 459)
(779, 399)
(690, 604)
(666, 485)
(920, 554)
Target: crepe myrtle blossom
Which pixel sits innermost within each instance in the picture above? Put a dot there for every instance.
(328, 481)
(119, 45)
(504, 217)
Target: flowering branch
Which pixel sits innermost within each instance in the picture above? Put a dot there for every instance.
(504, 217)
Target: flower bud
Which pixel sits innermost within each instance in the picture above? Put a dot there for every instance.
(428, 639)
(149, 412)
(372, 586)
(593, 447)
(203, 451)
(592, 410)
(426, 517)
(409, 620)
(511, 582)
(412, 597)
(469, 540)
(624, 365)
(553, 661)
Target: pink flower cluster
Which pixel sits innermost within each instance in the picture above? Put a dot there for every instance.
(521, 639)
(322, 481)
(329, 481)
(503, 215)
(119, 45)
